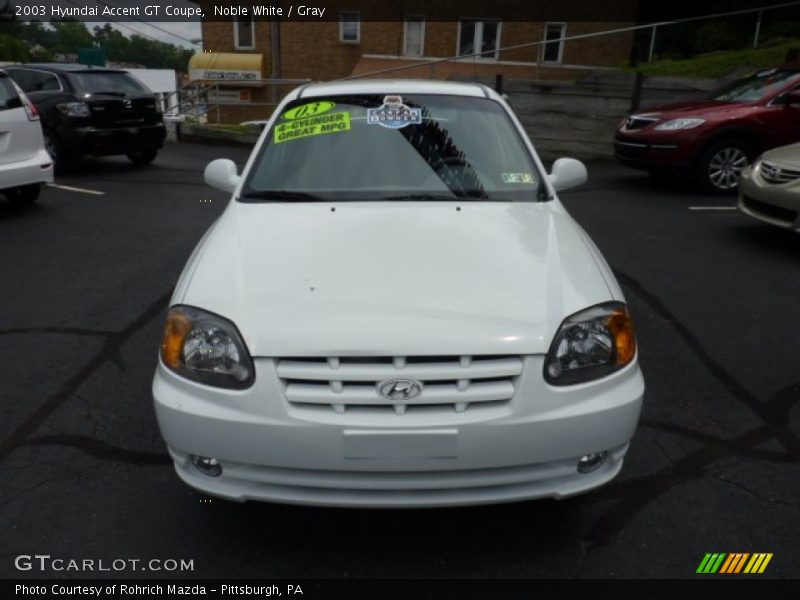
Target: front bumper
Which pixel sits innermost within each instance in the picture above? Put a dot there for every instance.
(657, 154)
(272, 451)
(109, 141)
(34, 170)
(776, 204)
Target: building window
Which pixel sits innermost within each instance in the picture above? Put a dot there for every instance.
(414, 36)
(244, 34)
(553, 50)
(479, 37)
(350, 27)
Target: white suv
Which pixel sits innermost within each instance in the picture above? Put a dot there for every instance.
(395, 310)
(24, 163)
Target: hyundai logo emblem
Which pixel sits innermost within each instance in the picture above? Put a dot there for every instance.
(399, 390)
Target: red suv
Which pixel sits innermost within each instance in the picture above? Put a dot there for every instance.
(716, 138)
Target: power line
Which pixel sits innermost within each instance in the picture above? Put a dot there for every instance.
(120, 24)
(155, 27)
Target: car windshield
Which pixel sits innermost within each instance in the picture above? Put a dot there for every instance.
(104, 82)
(393, 147)
(756, 87)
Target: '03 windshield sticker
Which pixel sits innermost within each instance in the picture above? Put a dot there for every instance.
(517, 177)
(312, 109)
(312, 126)
(393, 114)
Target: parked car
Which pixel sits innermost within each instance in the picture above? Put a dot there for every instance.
(92, 111)
(25, 165)
(770, 189)
(715, 139)
(396, 310)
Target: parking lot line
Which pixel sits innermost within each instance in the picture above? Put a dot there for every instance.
(712, 208)
(75, 189)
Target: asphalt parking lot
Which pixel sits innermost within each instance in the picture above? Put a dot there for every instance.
(86, 276)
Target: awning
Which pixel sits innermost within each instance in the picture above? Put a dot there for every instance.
(226, 68)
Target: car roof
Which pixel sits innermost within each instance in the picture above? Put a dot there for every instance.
(67, 67)
(394, 86)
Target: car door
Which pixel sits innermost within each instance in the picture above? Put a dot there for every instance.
(19, 136)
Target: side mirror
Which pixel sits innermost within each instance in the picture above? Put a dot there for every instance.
(222, 175)
(568, 173)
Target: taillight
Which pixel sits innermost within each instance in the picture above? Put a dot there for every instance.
(30, 109)
(74, 109)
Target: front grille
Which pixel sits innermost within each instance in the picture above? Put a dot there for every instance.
(775, 174)
(452, 382)
(777, 213)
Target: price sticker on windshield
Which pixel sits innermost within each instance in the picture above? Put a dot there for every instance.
(312, 126)
(311, 109)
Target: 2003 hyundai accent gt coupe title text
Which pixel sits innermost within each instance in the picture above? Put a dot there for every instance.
(395, 310)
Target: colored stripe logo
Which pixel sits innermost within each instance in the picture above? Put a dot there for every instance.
(734, 563)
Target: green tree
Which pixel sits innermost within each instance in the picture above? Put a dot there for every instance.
(70, 36)
(13, 49)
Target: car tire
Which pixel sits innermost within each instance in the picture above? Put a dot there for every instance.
(25, 195)
(142, 157)
(721, 163)
(55, 150)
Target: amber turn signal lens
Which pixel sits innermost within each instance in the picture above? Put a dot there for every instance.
(621, 327)
(176, 329)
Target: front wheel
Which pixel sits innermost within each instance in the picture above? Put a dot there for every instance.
(27, 194)
(142, 157)
(721, 164)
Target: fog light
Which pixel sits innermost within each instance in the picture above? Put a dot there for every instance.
(591, 462)
(207, 466)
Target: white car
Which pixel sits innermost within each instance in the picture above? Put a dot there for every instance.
(395, 310)
(24, 163)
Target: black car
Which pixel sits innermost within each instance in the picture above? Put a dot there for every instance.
(92, 111)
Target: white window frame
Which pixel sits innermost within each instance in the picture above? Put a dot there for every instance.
(479, 36)
(421, 20)
(561, 44)
(358, 27)
(236, 43)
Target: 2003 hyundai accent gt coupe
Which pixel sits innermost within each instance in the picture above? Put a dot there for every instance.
(395, 310)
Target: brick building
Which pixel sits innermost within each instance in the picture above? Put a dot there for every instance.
(352, 45)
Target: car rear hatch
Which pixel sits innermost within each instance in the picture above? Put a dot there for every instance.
(116, 99)
(20, 138)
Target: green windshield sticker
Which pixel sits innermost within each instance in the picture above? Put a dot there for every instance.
(517, 177)
(311, 109)
(312, 126)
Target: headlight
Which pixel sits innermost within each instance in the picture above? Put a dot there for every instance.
(206, 348)
(74, 109)
(675, 124)
(591, 344)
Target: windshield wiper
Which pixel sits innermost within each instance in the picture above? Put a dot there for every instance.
(420, 197)
(283, 195)
(441, 197)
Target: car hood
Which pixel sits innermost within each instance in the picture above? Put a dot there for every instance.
(695, 108)
(399, 279)
(785, 155)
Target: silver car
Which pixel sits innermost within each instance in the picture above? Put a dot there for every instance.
(769, 190)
